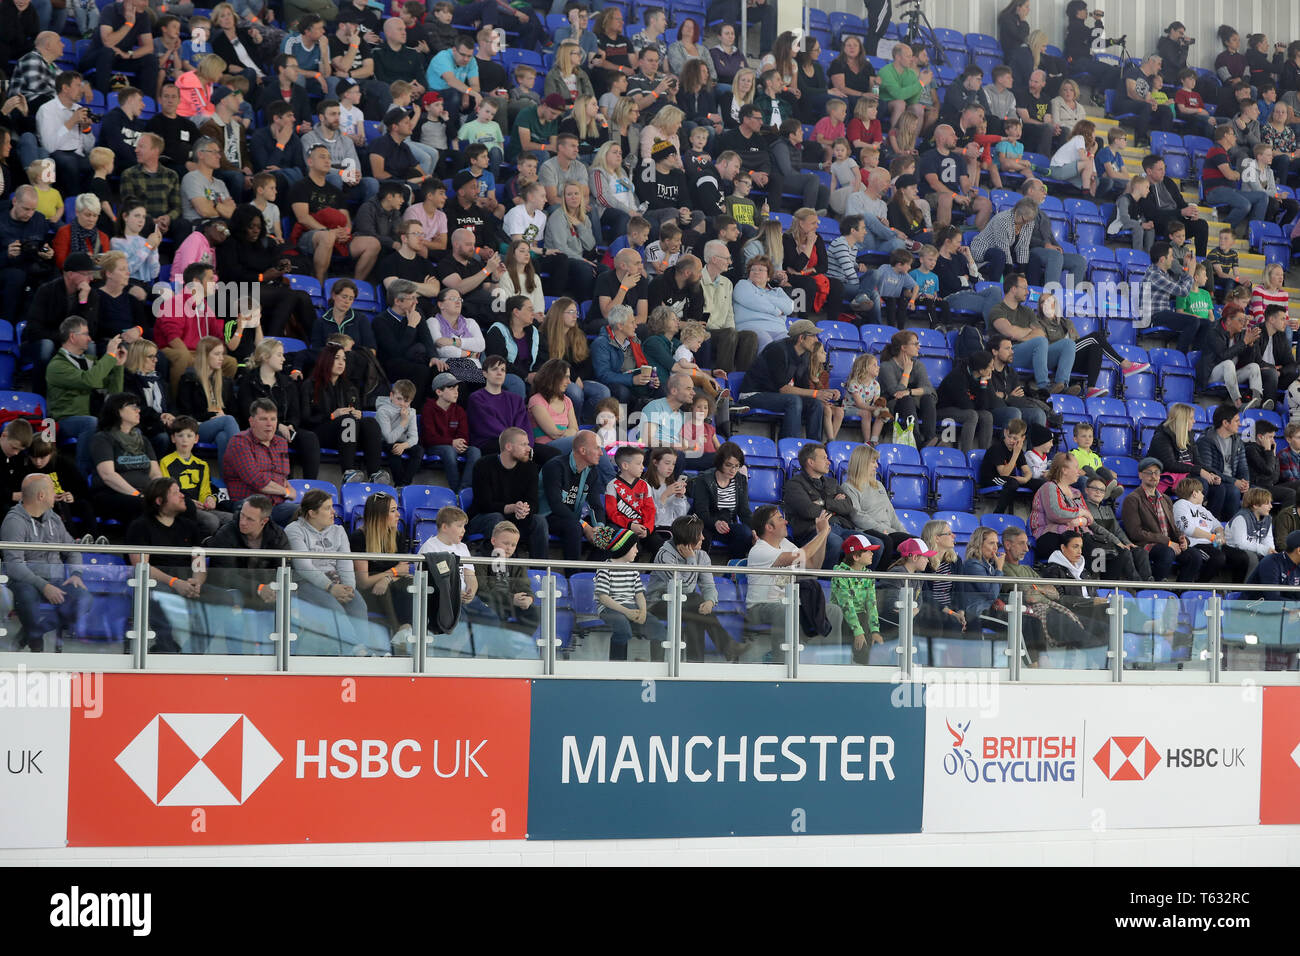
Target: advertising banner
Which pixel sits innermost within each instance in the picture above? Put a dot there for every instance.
(1279, 791)
(1100, 757)
(275, 759)
(622, 759)
(34, 708)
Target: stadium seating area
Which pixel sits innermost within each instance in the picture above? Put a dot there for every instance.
(926, 484)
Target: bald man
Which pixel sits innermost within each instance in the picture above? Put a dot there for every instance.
(626, 284)
(49, 576)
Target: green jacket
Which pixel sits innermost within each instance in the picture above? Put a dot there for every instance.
(69, 388)
(764, 102)
(856, 596)
(894, 86)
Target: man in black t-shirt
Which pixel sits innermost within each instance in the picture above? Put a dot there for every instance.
(1004, 466)
(406, 262)
(314, 194)
(950, 178)
(178, 133)
(129, 27)
(464, 212)
(390, 157)
(751, 146)
(164, 524)
(472, 273)
(625, 284)
(1034, 107)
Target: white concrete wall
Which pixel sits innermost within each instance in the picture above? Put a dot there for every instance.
(1210, 847)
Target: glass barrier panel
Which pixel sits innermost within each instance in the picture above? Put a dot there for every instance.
(330, 616)
(1165, 630)
(1066, 625)
(65, 618)
(1260, 634)
(500, 615)
(232, 611)
(757, 621)
(862, 616)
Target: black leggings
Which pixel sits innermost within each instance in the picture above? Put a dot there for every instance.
(286, 311)
(1088, 353)
(307, 446)
(368, 436)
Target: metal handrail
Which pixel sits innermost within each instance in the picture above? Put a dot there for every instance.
(723, 569)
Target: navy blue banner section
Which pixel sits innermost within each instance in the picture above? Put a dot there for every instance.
(627, 759)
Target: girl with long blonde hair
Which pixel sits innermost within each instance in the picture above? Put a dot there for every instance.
(205, 394)
(743, 86)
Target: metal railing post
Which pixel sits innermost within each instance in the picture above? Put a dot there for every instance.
(744, 29)
(1015, 633)
(906, 648)
(792, 646)
(1116, 652)
(1214, 634)
(420, 620)
(675, 646)
(141, 581)
(549, 636)
(283, 634)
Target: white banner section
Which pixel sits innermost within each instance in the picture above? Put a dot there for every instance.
(34, 728)
(1094, 757)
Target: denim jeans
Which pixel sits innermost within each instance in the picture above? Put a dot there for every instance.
(1042, 357)
(219, 430)
(369, 185)
(585, 397)
(70, 615)
(347, 630)
(797, 413)
(1242, 204)
(1046, 265)
(455, 479)
(515, 384)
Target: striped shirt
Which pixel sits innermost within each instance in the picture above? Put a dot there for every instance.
(622, 584)
(1261, 298)
(727, 497)
(1000, 233)
(843, 264)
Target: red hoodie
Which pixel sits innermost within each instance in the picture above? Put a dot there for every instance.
(440, 426)
(625, 504)
(179, 321)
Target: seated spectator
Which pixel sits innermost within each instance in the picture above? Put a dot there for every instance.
(124, 460)
(251, 575)
(444, 429)
(506, 489)
(905, 386)
(341, 318)
(403, 453)
(810, 493)
(156, 187)
(1223, 454)
(1148, 517)
(766, 594)
(1058, 506)
(472, 272)
(562, 338)
(963, 396)
(266, 378)
(1004, 467)
(184, 319)
(475, 612)
(1129, 562)
(163, 523)
(1012, 318)
(492, 408)
(333, 412)
(1280, 569)
(72, 378)
(571, 489)
(770, 383)
(870, 510)
(323, 227)
(83, 234)
(122, 306)
(687, 546)
(507, 590)
(758, 308)
(24, 254)
(1204, 532)
(517, 338)
(621, 596)
(404, 344)
(625, 284)
(1061, 627)
(555, 422)
(257, 462)
(328, 580)
(720, 497)
(59, 126)
(1265, 471)
(193, 474)
(250, 256)
(1228, 347)
(387, 587)
(205, 395)
(204, 194)
(52, 576)
(568, 230)
(620, 363)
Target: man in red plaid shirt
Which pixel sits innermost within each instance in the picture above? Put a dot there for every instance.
(257, 462)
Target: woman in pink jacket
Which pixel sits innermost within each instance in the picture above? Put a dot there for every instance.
(1058, 506)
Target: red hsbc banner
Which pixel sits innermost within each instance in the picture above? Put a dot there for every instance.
(1279, 791)
(208, 759)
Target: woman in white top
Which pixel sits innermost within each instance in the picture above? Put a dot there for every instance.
(457, 336)
(612, 190)
(1073, 162)
(526, 220)
(1066, 108)
(520, 278)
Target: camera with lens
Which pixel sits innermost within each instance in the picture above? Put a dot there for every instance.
(1117, 41)
(30, 247)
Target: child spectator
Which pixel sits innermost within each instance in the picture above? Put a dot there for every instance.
(620, 594)
(862, 395)
(856, 596)
(666, 250)
(894, 287)
(1010, 152)
(864, 129)
(505, 588)
(49, 201)
(1039, 454)
(264, 194)
(525, 176)
(819, 375)
(1198, 302)
(693, 335)
(1178, 245)
(1129, 216)
(523, 93)
(352, 121)
(743, 209)
(697, 158)
(629, 503)
(444, 428)
(193, 475)
(846, 178)
(698, 434)
(607, 417)
(831, 127)
(1090, 461)
(1222, 260)
(1109, 163)
(1250, 532)
(397, 423)
(1190, 108)
(485, 131)
(638, 234)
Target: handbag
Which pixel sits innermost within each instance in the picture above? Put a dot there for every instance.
(905, 432)
(1169, 480)
(466, 370)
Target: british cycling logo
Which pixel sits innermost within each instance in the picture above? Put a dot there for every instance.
(1002, 759)
(1127, 758)
(199, 760)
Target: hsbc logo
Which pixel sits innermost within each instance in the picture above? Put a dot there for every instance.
(1127, 758)
(199, 760)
